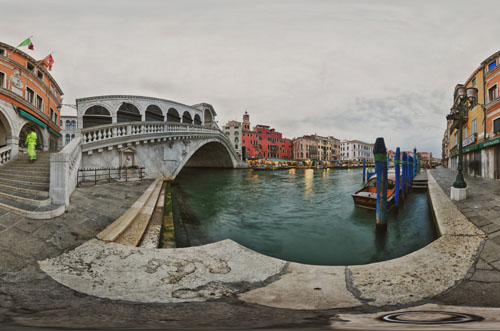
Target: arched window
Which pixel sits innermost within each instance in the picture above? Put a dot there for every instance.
(68, 125)
(173, 116)
(96, 115)
(227, 133)
(186, 118)
(154, 113)
(128, 113)
(73, 124)
(236, 133)
(72, 136)
(236, 140)
(208, 118)
(197, 119)
(68, 139)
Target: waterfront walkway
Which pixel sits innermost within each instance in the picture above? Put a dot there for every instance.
(482, 208)
(29, 297)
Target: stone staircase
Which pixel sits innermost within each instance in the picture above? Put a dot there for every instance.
(24, 188)
(420, 181)
(140, 226)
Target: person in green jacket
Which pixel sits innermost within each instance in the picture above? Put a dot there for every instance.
(31, 143)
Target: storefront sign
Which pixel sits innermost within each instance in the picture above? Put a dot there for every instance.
(490, 142)
(469, 140)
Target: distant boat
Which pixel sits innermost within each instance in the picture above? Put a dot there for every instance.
(367, 196)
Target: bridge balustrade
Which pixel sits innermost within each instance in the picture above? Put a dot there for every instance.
(106, 132)
(5, 154)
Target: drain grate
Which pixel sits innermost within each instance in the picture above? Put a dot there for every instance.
(430, 317)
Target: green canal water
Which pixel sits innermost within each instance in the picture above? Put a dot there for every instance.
(299, 215)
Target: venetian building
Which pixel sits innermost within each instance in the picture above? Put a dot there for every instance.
(29, 98)
(233, 130)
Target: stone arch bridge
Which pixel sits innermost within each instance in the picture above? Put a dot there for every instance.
(161, 135)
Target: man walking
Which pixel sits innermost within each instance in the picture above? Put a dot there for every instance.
(31, 143)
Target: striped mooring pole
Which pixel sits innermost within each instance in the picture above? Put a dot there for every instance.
(364, 170)
(398, 179)
(414, 162)
(405, 180)
(380, 156)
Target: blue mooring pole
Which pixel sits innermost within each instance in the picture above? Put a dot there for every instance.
(380, 157)
(398, 179)
(364, 170)
(414, 162)
(405, 180)
(410, 171)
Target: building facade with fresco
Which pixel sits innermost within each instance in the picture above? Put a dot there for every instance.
(29, 98)
(481, 129)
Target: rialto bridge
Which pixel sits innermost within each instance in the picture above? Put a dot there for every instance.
(125, 131)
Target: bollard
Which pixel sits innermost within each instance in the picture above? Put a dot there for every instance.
(379, 154)
(398, 179)
(404, 182)
(364, 169)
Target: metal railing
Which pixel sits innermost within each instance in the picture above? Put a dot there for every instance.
(100, 175)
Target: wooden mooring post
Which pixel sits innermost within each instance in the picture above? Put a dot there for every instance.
(414, 166)
(380, 157)
(405, 180)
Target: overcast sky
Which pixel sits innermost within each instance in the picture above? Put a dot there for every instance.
(351, 69)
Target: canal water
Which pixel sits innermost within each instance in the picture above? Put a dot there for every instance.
(299, 215)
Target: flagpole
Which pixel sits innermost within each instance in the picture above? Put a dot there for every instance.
(18, 47)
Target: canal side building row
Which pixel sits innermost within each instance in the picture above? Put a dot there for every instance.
(481, 129)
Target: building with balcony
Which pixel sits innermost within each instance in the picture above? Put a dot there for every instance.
(234, 131)
(264, 142)
(481, 129)
(69, 126)
(356, 150)
(29, 98)
(305, 149)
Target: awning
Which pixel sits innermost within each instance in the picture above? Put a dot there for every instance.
(55, 133)
(491, 142)
(31, 118)
(279, 160)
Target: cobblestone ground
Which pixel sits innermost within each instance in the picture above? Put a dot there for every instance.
(28, 297)
(482, 208)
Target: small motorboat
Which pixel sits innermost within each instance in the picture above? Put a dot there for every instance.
(367, 196)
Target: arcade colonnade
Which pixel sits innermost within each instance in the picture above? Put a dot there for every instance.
(112, 109)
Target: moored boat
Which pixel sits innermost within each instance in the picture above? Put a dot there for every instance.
(367, 196)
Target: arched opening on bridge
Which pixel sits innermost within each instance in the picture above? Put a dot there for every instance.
(173, 116)
(96, 115)
(154, 113)
(211, 155)
(208, 118)
(197, 119)
(24, 133)
(128, 113)
(186, 118)
(5, 130)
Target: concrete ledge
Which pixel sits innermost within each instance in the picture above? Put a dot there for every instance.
(35, 215)
(225, 268)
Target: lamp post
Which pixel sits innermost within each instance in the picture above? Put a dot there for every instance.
(464, 100)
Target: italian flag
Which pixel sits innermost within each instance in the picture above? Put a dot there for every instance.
(28, 43)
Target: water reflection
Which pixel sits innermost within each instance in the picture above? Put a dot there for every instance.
(308, 181)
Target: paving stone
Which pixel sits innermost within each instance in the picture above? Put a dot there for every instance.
(2, 228)
(490, 228)
(28, 225)
(496, 265)
(47, 230)
(478, 220)
(12, 236)
(488, 276)
(10, 262)
(9, 219)
(491, 252)
(482, 264)
(496, 240)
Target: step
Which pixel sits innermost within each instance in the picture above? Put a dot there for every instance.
(21, 170)
(135, 231)
(31, 183)
(30, 167)
(29, 199)
(39, 213)
(151, 238)
(42, 178)
(115, 229)
(25, 189)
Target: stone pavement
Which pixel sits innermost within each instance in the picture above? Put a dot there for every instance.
(482, 208)
(28, 297)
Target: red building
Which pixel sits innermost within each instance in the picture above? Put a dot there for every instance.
(264, 143)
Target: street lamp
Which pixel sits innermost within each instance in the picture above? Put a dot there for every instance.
(465, 100)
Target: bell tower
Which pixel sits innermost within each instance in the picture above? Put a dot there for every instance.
(246, 121)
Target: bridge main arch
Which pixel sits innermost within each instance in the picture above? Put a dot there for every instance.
(209, 153)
